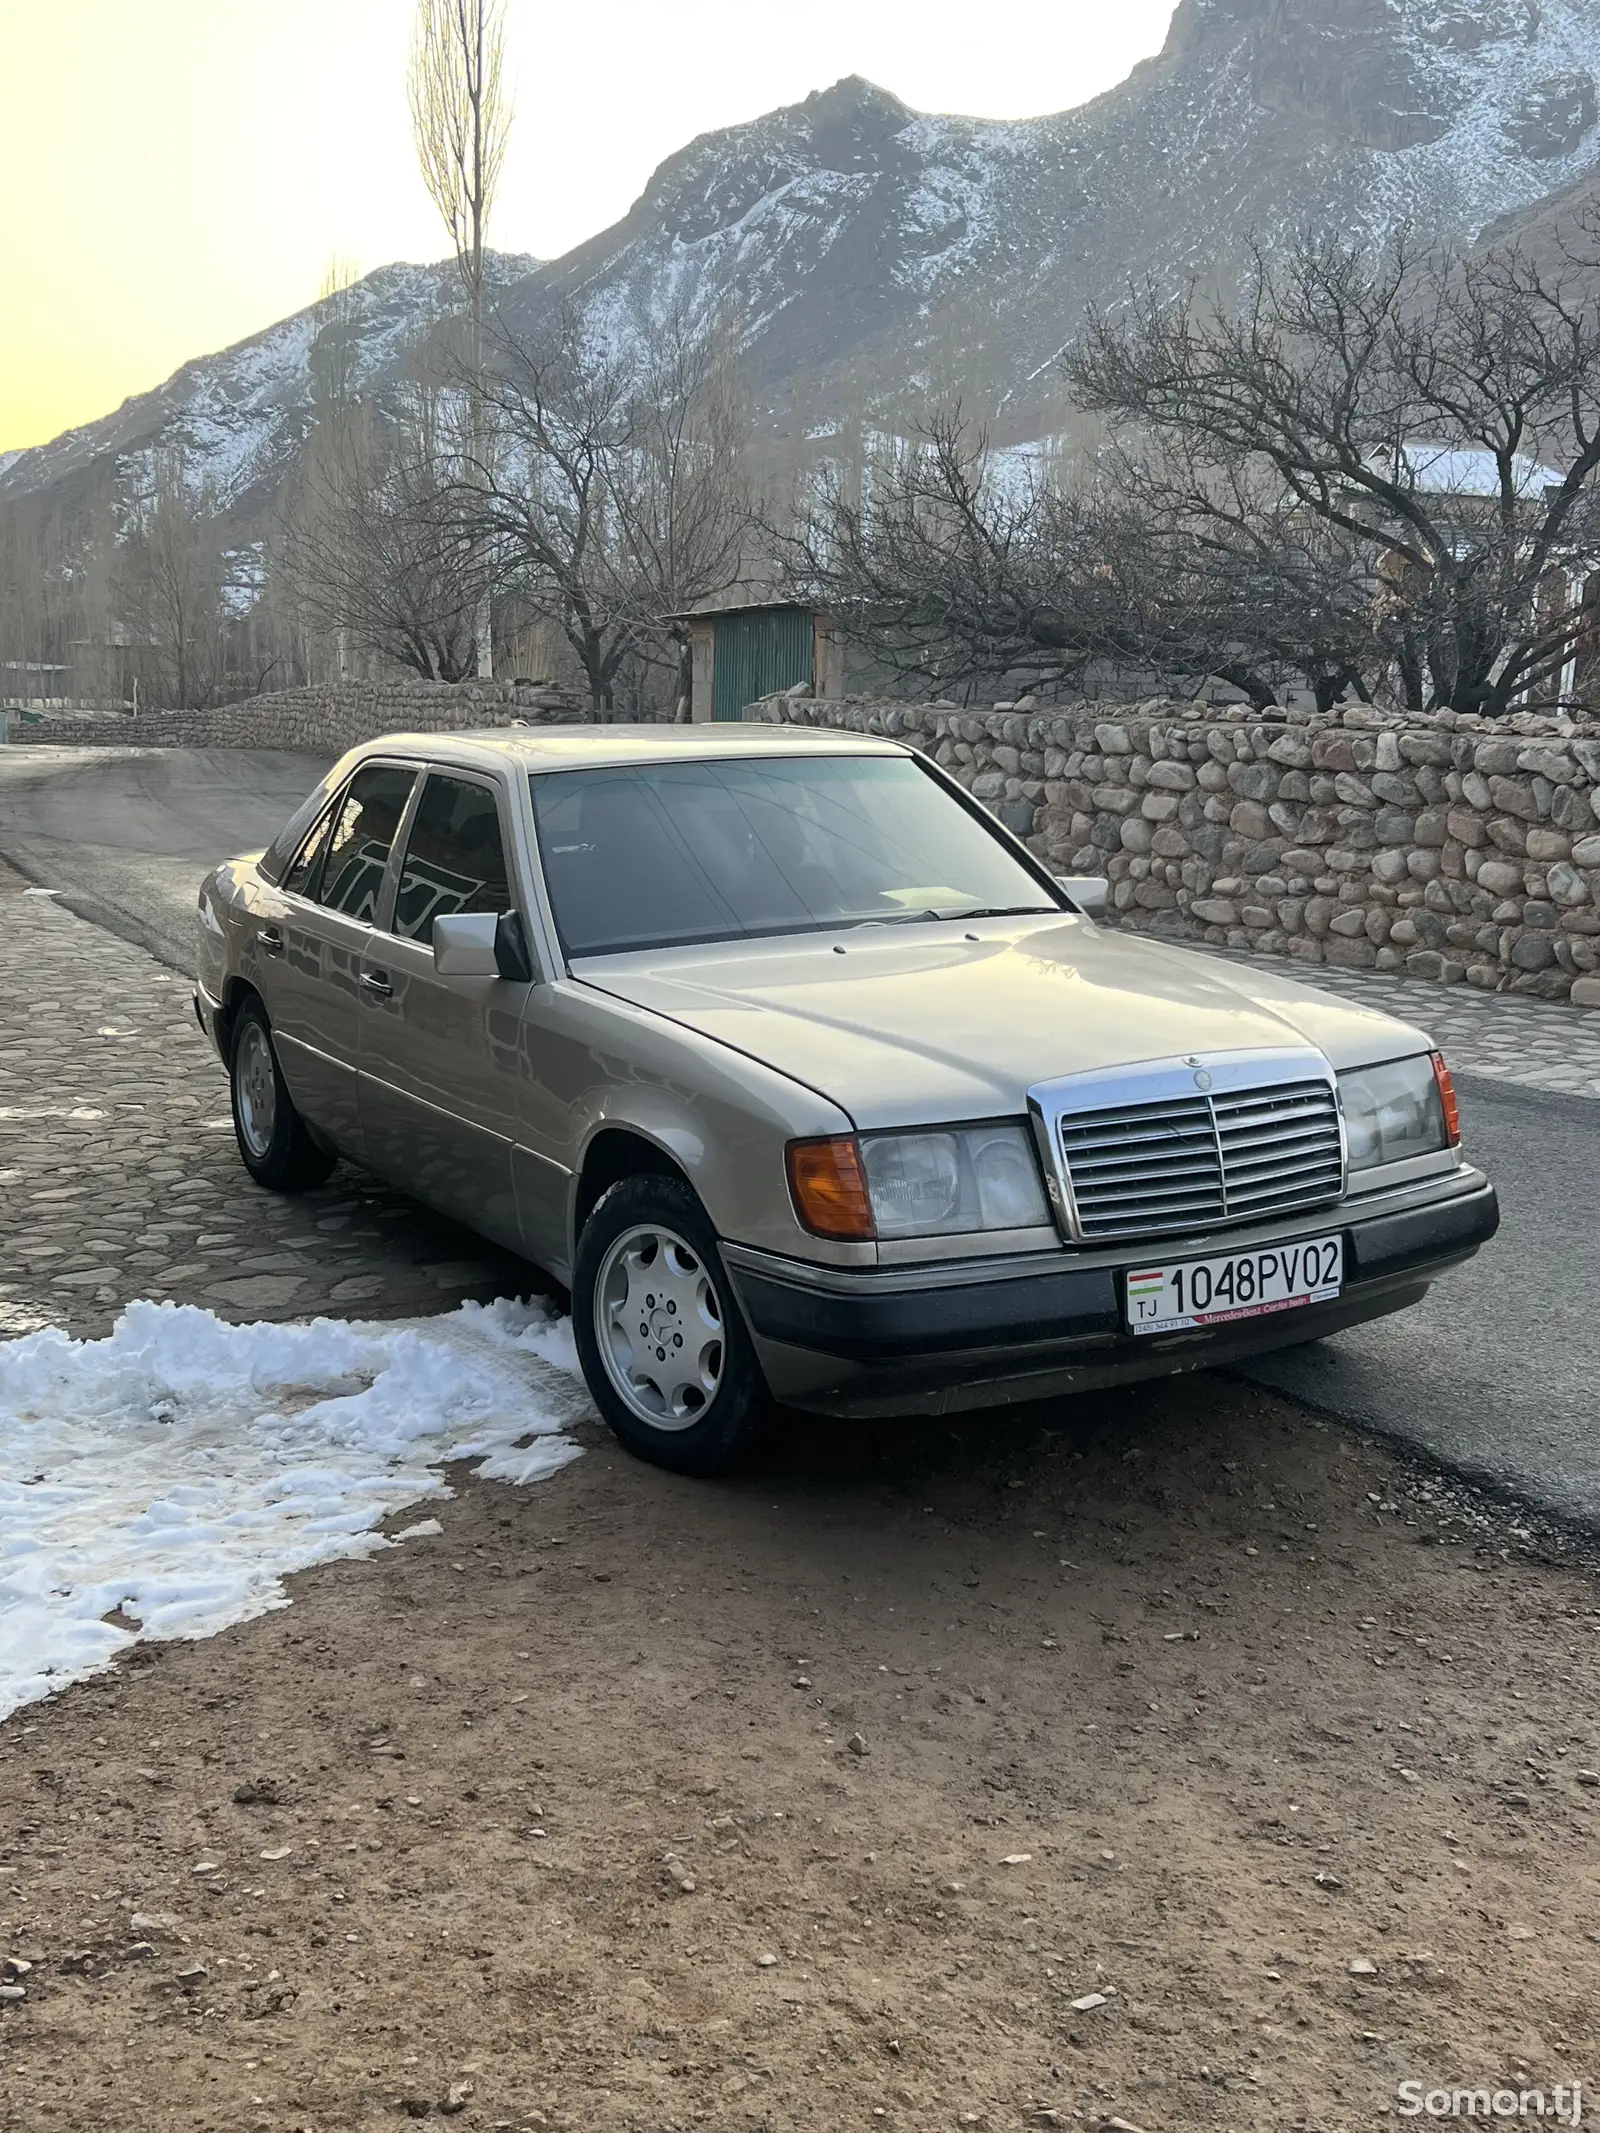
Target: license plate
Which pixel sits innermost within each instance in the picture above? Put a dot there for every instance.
(1210, 1292)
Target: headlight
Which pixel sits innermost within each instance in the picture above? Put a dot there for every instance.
(913, 1182)
(1403, 1108)
(939, 1184)
(942, 1184)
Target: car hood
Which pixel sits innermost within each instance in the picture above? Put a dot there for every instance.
(920, 1024)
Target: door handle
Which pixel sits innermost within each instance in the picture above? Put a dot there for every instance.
(271, 939)
(377, 983)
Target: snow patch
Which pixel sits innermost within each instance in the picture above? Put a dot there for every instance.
(173, 1474)
(1464, 470)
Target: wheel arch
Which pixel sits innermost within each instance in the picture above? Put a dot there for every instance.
(235, 992)
(613, 1152)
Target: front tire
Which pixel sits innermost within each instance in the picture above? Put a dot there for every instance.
(659, 1333)
(275, 1144)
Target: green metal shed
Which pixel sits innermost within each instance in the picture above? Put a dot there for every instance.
(756, 651)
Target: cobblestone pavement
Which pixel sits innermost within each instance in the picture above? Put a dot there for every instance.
(119, 1177)
(1537, 1044)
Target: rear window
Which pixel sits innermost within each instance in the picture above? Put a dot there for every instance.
(667, 854)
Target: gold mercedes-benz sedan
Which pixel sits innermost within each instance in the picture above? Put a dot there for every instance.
(809, 1081)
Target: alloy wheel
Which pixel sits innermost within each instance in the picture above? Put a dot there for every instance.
(255, 1083)
(658, 1324)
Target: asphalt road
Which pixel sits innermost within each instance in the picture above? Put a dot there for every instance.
(128, 834)
(1496, 1374)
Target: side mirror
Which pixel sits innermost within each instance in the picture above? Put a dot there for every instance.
(480, 944)
(463, 947)
(1090, 892)
(511, 954)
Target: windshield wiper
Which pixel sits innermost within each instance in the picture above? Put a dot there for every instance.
(908, 918)
(998, 911)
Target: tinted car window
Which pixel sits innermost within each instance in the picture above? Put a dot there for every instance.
(275, 859)
(455, 857)
(665, 853)
(300, 880)
(364, 829)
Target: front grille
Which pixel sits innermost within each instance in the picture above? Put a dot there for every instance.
(1192, 1162)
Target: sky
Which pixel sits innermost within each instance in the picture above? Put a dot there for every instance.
(177, 174)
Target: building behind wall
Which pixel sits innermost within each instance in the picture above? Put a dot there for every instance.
(740, 654)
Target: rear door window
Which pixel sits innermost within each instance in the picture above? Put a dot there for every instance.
(455, 857)
(364, 827)
(301, 875)
(274, 861)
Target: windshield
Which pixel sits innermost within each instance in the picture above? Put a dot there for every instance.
(661, 854)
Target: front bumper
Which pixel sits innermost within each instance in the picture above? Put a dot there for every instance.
(938, 1338)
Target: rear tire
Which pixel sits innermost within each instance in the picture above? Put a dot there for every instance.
(275, 1144)
(659, 1333)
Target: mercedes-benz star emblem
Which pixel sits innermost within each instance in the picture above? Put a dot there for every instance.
(1202, 1079)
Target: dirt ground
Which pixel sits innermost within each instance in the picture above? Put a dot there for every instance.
(826, 1800)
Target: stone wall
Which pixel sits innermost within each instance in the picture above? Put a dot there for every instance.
(1452, 847)
(322, 721)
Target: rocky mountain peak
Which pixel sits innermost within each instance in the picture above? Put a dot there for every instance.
(846, 130)
(851, 122)
(1388, 74)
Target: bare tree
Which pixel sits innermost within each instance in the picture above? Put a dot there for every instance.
(1243, 584)
(30, 634)
(53, 551)
(461, 121)
(1439, 415)
(336, 344)
(169, 588)
(616, 495)
(954, 565)
(944, 570)
(371, 548)
(679, 492)
(366, 539)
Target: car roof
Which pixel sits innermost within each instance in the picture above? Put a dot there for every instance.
(585, 747)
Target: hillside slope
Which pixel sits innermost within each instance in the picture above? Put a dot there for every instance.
(240, 417)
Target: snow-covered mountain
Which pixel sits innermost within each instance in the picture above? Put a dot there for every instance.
(240, 417)
(869, 255)
(871, 251)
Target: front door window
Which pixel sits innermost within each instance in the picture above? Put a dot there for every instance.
(455, 858)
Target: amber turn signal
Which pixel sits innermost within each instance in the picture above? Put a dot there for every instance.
(1447, 1100)
(830, 1188)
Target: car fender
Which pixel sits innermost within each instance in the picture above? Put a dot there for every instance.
(593, 1064)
